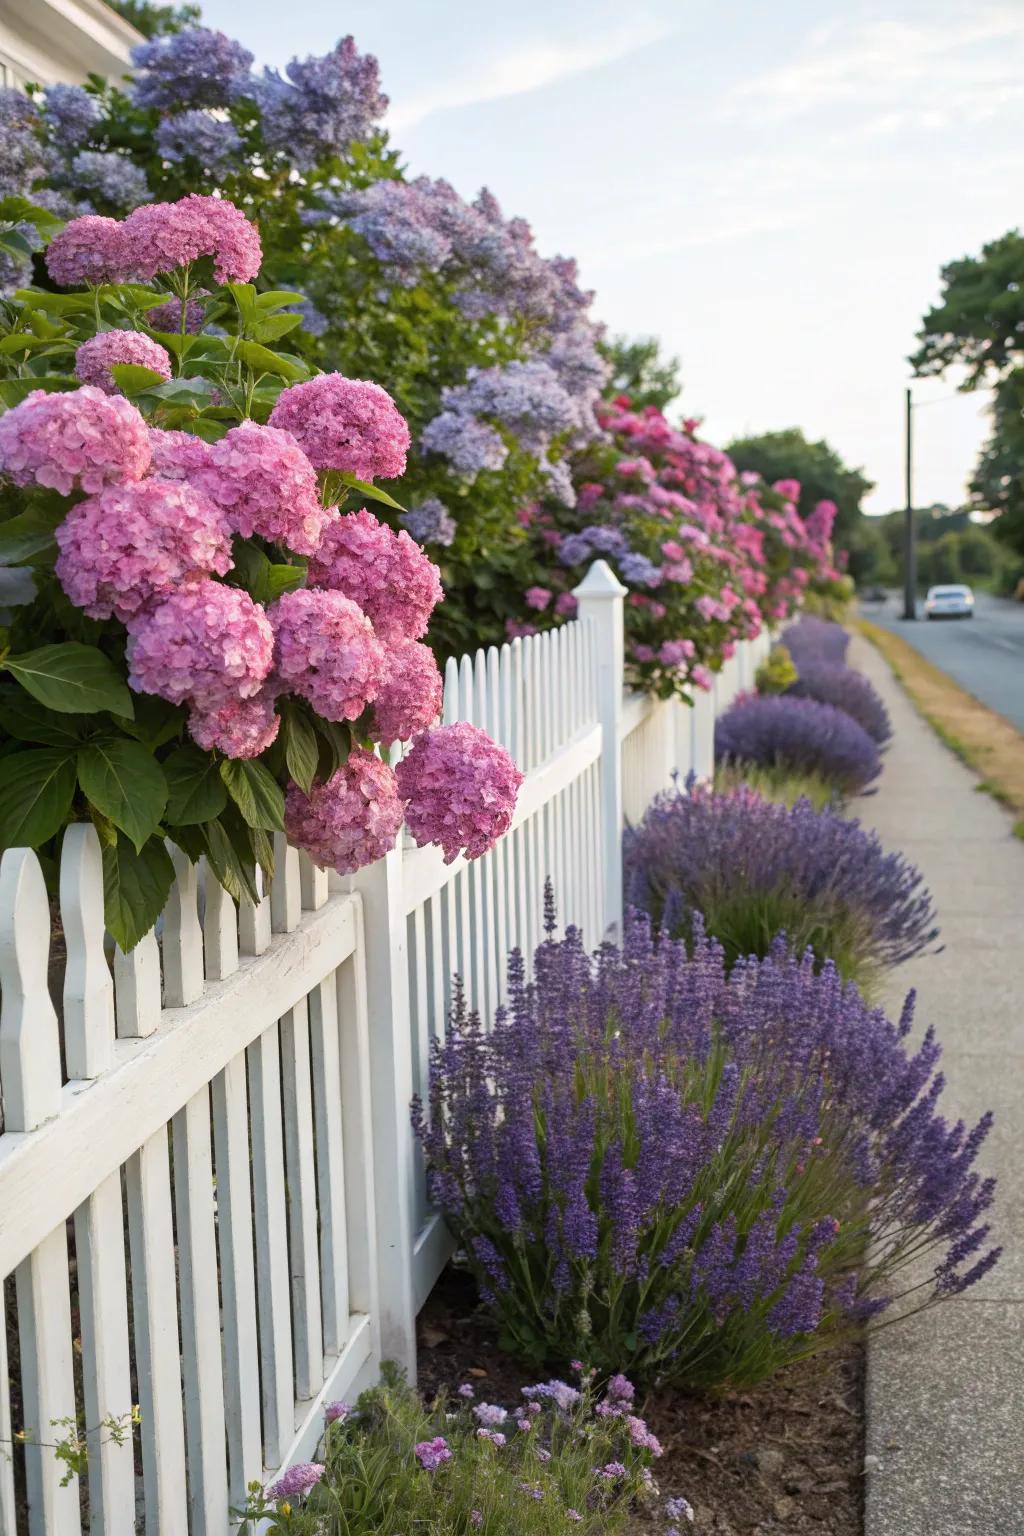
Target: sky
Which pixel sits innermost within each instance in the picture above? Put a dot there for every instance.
(771, 187)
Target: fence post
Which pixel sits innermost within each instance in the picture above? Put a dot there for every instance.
(600, 596)
(391, 1090)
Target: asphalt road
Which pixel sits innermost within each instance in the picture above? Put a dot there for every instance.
(985, 654)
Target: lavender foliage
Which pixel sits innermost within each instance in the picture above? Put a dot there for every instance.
(811, 639)
(850, 691)
(197, 67)
(778, 730)
(755, 869)
(703, 1174)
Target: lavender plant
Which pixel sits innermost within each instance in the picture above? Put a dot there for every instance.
(563, 1458)
(833, 683)
(813, 639)
(755, 869)
(798, 734)
(693, 1174)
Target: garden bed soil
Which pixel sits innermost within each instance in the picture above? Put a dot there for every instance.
(786, 1457)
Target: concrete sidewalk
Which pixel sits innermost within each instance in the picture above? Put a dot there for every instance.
(945, 1391)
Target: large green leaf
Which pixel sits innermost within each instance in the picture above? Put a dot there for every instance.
(136, 884)
(278, 298)
(30, 533)
(72, 678)
(275, 326)
(262, 360)
(26, 720)
(256, 792)
(126, 783)
(365, 488)
(196, 791)
(16, 209)
(301, 748)
(263, 580)
(36, 791)
(132, 379)
(236, 873)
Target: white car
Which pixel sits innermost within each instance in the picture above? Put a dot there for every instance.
(953, 602)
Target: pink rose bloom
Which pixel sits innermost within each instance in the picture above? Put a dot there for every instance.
(351, 820)
(138, 542)
(386, 573)
(91, 249)
(346, 424)
(207, 643)
(160, 237)
(460, 789)
(240, 728)
(790, 489)
(410, 695)
(566, 606)
(178, 455)
(679, 571)
(537, 598)
(94, 358)
(82, 440)
(326, 651)
(265, 485)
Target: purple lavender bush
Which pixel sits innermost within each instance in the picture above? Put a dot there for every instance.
(691, 1174)
(754, 869)
(799, 735)
(833, 683)
(811, 639)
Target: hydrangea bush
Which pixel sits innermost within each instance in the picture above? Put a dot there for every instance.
(754, 870)
(797, 735)
(214, 645)
(565, 1457)
(695, 1174)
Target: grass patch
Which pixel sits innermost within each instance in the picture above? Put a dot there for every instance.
(980, 737)
(778, 783)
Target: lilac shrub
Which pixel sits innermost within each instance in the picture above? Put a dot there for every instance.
(694, 1174)
(754, 869)
(850, 691)
(799, 735)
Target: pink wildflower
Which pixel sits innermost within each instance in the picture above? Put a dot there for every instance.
(337, 1413)
(161, 237)
(410, 695)
(297, 1481)
(207, 643)
(131, 544)
(266, 485)
(326, 651)
(460, 788)
(82, 440)
(346, 424)
(386, 573)
(94, 358)
(239, 728)
(91, 249)
(432, 1454)
(351, 820)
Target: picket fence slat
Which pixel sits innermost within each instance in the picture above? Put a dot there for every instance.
(280, 1254)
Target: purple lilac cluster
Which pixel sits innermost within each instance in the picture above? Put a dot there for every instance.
(688, 1164)
(24, 160)
(799, 735)
(108, 177)
(196, 67)
(525, 398)
(848, 690)
(327, 103)
(212, 142)
(704, 852)
(71, 115)
(430, 522)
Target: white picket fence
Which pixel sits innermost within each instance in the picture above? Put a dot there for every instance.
(211, 1202)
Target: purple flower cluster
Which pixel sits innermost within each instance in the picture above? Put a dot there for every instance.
(832, 682)
(109, 177)
(213, 142)
(326, 104)
(526, 398)
(814, 639)
(71, 114)
(688, 1164)
(799, 735)
(754, 868)
(430, 522)
(196, 67)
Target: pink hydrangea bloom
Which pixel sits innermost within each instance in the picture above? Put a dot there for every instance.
(350, 821)
(239, 728)
(326, 651)
(163, 236)
(410, 693)
(266, 485)
(82, 440)
(566, 606)
(134, 543)
(93, 359)
(346, 424)
(207, 643)
(297, 1481)
(537, 598)
(91, 249)
(460, 788)
(386, 573)
(178, 455)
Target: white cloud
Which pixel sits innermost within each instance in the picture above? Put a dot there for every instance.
(518, 71)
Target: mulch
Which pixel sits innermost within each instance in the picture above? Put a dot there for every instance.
(785, 1457)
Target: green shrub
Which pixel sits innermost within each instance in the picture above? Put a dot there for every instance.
(776, 673)
(773, 782)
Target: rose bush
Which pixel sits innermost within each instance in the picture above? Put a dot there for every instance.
(211, 645)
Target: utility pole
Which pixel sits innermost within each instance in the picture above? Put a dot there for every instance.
(909, 541)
